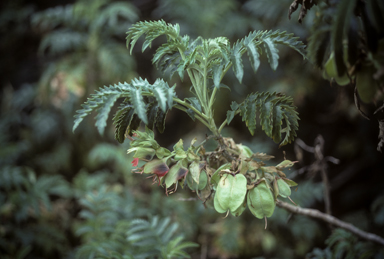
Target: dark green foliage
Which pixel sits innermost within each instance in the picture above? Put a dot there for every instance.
(81, 40)
(136, 103)
(25, 198)
(274, 109)
(343, 244)
(343, 29)
(111, 229)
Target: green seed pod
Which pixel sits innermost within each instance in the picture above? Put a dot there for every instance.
(366, 84)
(330, 66)
(217, 205)
(260, 201)
(284, 189)
(240, 209)
(342, 80)
(194, 169)
(231, 191)
(203, 180)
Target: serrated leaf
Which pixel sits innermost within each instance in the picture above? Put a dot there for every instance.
(122, 120)
(217, 74)
(137, 101)
(237, 62)
(160, 122)
(161, 97)
(272, 53)
(273, 109)
(105, 97)
(254, 56)
(152, 111)
(277, 122)
(103, 112)
(251, 114)
(230, 116)
(152, 30)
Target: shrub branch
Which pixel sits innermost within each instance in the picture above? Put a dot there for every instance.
(331, 220)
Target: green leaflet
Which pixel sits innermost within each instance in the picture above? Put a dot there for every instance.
(102, 101)
(289, 182)
(272, 53)
(284, 189)
(152, 111)
(122, 120)
(161, 97)
(274, 109)
(231, 191)
(277, 122)
(254, 56)
(217, 74)
(133, 110)
(137, 101)
(237, 61)
(152, 29)
(260, 201)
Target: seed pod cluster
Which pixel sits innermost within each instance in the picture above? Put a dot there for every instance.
(244, 182)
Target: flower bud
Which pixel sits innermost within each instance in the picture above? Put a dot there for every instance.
(157, 167)
(145, 154)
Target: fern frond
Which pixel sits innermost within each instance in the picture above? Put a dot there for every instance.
(269, 39)
(274, 109)
(156, 237)
(52, 17)
(152, 30)
(134, 109)
(61, 41)
(112, 12)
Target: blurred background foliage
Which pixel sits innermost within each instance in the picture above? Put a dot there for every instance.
(72, 195)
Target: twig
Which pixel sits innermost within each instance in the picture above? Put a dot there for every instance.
(331, 220)
(320, 165)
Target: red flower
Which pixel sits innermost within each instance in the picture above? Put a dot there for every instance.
(135, 162)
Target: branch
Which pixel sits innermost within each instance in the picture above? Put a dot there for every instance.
(331, 220)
